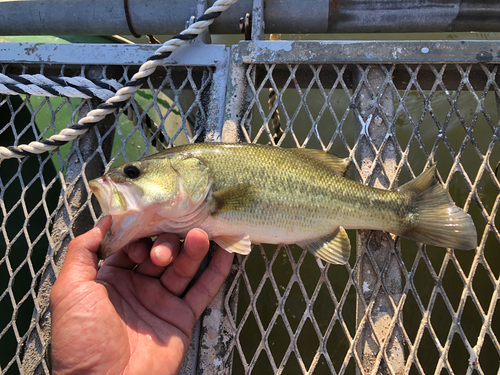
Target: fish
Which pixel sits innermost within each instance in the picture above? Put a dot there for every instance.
(241, 194)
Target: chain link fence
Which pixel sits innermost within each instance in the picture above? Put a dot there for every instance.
(394, 108)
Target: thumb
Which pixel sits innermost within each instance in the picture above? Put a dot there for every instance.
(81, 259)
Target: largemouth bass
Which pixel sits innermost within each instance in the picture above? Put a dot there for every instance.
(246, 193)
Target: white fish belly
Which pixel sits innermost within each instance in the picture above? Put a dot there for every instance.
(267, 229)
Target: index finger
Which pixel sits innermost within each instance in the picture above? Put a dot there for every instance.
(182, 270)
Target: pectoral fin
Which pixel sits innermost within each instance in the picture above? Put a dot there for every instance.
(334, 248)
(238, 197)
(238, 245)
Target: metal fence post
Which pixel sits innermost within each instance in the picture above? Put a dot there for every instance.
(376, 153)
(210, 334)
(238, 100)
(218, 321)
(74, 192)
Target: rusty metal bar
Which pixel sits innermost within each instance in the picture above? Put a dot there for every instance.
(369, 52)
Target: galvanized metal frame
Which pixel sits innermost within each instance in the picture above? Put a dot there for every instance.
(385, 331)
(50, 58)
(369, 70)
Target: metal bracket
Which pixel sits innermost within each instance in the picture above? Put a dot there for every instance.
(246, 26)
(258, 24)
(252, 25)
(204, 37)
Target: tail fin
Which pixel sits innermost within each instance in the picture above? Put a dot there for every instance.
(436, 220)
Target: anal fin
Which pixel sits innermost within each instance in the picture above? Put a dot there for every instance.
(236, 244)
(334, 248)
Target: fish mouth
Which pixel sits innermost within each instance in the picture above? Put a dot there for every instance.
(102, 190)
(123, 206)
(115, 199)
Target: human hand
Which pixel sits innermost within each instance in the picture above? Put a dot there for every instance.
(125, 319)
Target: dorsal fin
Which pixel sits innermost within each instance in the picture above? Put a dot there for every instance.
(340, 165)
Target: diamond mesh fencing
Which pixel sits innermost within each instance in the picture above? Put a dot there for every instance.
(397, 307)
(402, 308)
(46, 201)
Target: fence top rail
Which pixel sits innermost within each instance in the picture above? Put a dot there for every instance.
(109, 54)
(321, 52)
(439, 51)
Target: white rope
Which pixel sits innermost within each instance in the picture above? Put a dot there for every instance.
(40, 85)
(123, 94)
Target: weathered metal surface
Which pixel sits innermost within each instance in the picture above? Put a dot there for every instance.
(258, 23)
(94, 17)
(237, 118)
(380, 342)
(216, 101)
(218, 329)
(296, 52)
(109, 54)
(394, 16)
(292, 16)
(69, 222)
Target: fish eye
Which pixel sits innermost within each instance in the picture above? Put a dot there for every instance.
(131, 171)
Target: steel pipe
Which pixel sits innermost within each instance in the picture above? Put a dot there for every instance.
(96, 17)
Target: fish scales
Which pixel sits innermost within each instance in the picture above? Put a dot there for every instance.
(292, 192)
(292, 195)
(252, 193)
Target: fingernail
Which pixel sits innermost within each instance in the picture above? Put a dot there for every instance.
(164, 252)
(138, 254)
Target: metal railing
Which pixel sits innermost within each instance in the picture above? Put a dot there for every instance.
(397, 307)
(72, 17)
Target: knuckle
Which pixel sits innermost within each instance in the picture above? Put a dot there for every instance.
(206, 291)
(181, 272)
